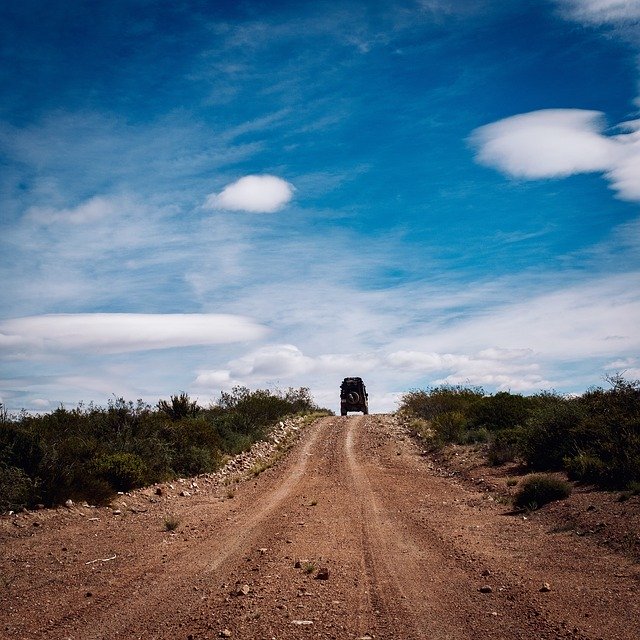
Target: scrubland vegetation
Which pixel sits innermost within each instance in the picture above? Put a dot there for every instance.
(91, 452)
(594, 437)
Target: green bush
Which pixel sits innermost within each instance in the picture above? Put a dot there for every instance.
(449, 427)
(504, 446)
(503, 410)
(122, 470)
(194, 460)
(610, 432)
(435, 401)
(89, 452)
(548, 436)
(538, 490)
(586, 467)
(17, 489)
(180, 407)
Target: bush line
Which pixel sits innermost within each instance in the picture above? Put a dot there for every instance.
(91, 452)
(594, 437)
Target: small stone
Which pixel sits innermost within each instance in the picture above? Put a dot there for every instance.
(485, 588)
(117, 512)
(225, 633)
(302, 622)
(545, 588)
(185, 494)
(323, 574)
(297, 564)
(68, 503)
(486, 573)
(242, 590)
(88, 594)
(158, 491)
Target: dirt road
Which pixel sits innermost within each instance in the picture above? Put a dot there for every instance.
(405, 552)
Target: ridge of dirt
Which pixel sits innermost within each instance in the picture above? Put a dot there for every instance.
(352, 534)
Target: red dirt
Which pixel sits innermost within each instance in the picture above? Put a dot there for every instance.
(407, 547)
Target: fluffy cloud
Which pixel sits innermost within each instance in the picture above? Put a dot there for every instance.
(556, 143)
(123, 332)
(256, 194)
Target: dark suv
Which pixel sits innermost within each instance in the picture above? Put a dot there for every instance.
(353, 396)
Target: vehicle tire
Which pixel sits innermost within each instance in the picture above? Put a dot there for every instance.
(365, 411)
(343, 412)
(353, 397)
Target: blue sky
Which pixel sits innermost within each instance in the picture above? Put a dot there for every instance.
(195, 195)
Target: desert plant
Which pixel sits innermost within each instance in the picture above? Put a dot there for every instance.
(171, 522)
(548, 437)
(122, 470)
(504, 446)
(427, 404)
(538, 490)
(503, 410)
(179, 407)
(17, 489)
(449, 427)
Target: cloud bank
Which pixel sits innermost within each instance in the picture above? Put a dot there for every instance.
(124, 332)
(556, 143)
(255, 194)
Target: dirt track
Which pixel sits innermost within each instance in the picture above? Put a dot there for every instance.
(407, 551)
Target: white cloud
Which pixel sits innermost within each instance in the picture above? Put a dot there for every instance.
(602, 11)
(513, 369)
(287, 361)
(124, 332)
(555, 143)
(545, 144)
(594, 319)
(91, 211)
(255, 194)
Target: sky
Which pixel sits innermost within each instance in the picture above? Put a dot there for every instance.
(196, 195)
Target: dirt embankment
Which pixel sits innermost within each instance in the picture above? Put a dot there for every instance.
(353, 534)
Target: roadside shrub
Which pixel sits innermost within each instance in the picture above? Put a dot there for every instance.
(538, 490)
(503, 410)
(475, 436)
(195, 460)
(586, 467)
(17, 489)
(179, 407)
(548, 437)
(90, 452)
(504, 446)
(435, 401)
(122, 470)
(610, 432)
(449, 427)
(421, 428)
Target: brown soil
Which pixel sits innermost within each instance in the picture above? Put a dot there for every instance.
(408, 548)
